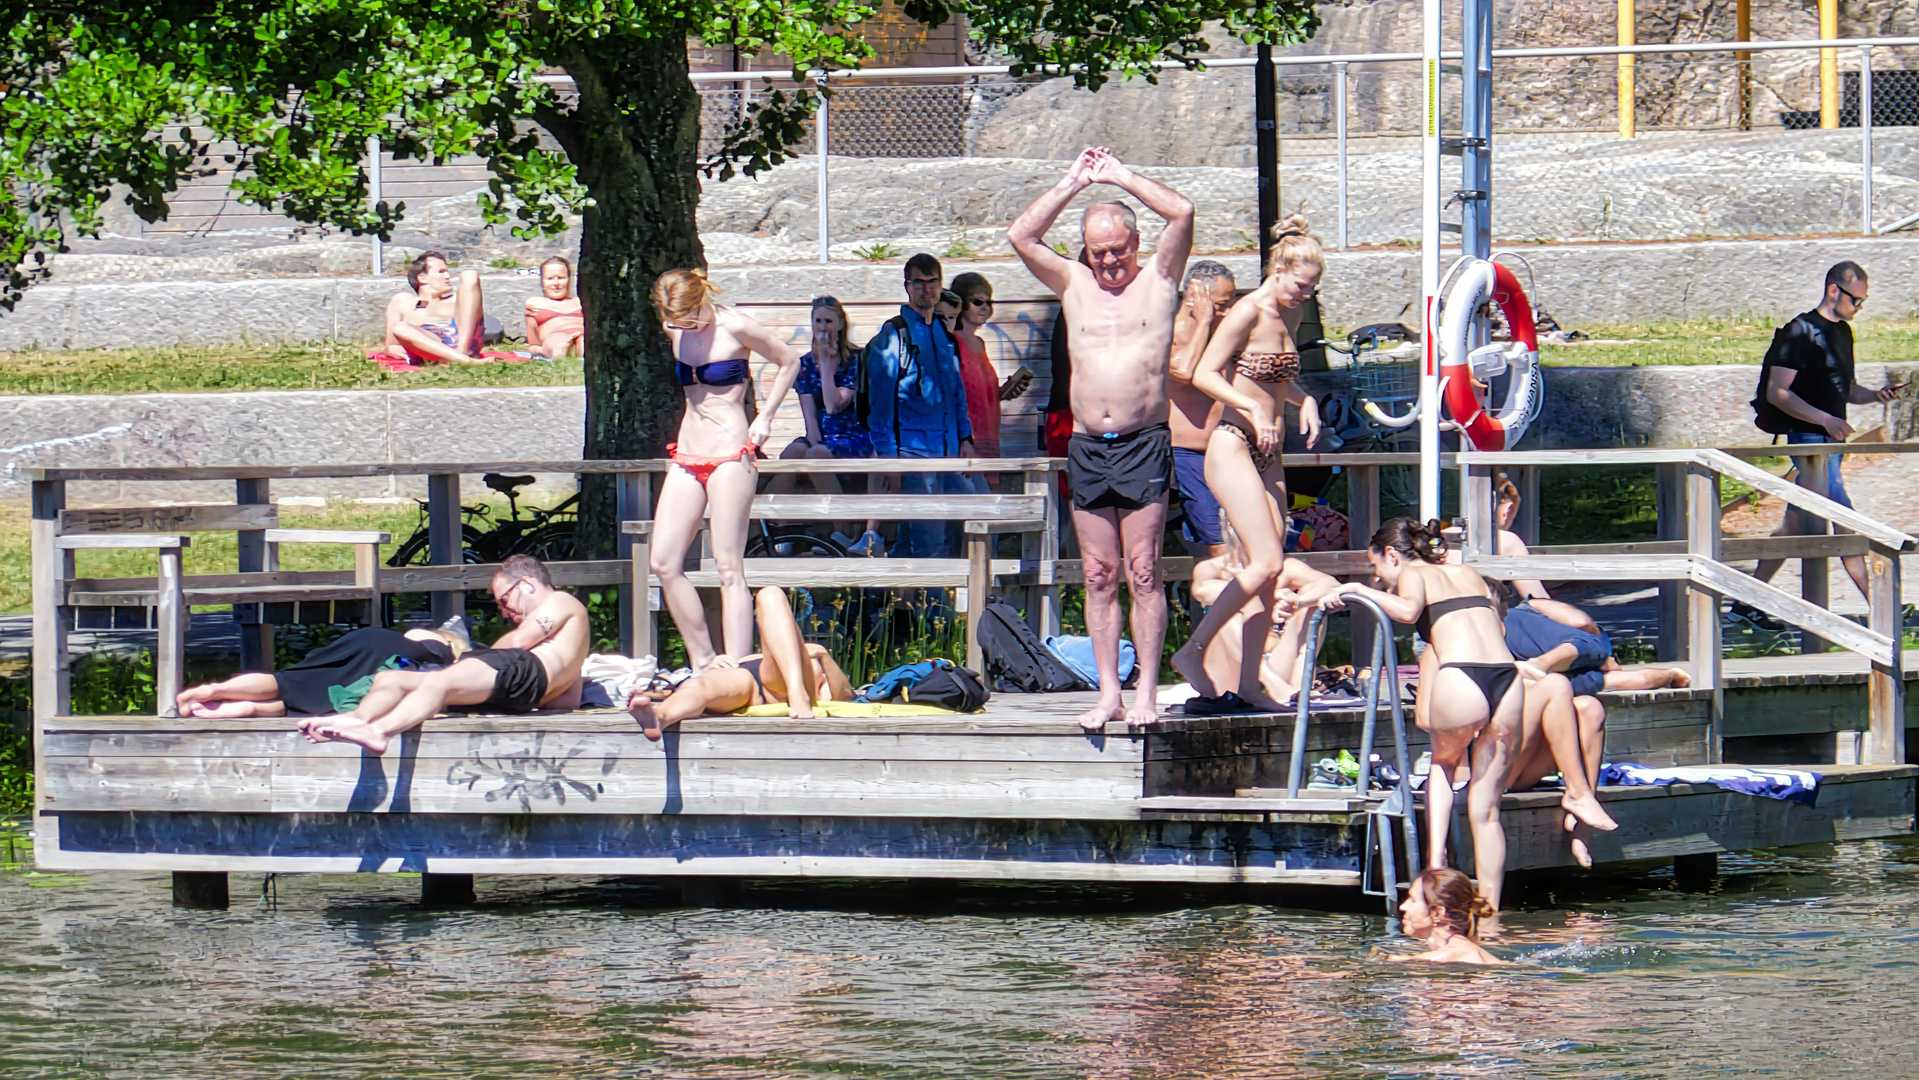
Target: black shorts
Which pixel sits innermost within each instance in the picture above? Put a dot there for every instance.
(1124, 472)
(520, 681)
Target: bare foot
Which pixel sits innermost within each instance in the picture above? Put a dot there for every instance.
(1581, 841)
(641, 707)
(359, 734)
(220, 710)
(799, 711)
(1589, 811)
(1191, 662)
(1109, 708)
(1680, 680)
(1262, 702)
(191, 696)
(1145, 710)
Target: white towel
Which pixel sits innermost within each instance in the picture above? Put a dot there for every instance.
(618, 675)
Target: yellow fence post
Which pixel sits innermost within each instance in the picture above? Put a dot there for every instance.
(1743, 19)
(1628, 97)
(1828, 65)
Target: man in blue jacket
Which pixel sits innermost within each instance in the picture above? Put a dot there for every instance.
(916, 404)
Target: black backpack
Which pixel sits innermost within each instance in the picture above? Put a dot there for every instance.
(950, 687)
(1017, 660)
(1768, 417)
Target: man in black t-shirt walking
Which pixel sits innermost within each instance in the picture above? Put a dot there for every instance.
(1805, 388)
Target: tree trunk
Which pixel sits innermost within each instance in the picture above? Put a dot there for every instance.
(634, 137)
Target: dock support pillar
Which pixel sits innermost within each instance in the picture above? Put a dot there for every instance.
(1674, 608)
(1704, 647)
(1886, 684)
(1696, 873)
(445, 542)
(200, 890)
(256, 634)
(446, 890)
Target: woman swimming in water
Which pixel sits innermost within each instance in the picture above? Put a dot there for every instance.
(1443, 910)
(1470, 697)
(713, 459)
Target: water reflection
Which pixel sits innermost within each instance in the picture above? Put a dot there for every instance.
(1802, 962)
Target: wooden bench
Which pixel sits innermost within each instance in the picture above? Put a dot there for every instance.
(172, 595)
(982, 517)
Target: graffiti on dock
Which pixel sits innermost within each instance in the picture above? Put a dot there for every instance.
(528, 775)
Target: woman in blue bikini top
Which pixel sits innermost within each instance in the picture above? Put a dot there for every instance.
(713, 456)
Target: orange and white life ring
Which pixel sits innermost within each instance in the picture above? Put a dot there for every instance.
(1464, 370)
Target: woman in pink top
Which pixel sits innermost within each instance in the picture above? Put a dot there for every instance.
(984, 389)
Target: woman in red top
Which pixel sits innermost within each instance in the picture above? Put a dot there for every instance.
(984, 389)
(555, 323)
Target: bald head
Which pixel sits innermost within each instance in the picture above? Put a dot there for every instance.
(1111, 233)
(1107, 216)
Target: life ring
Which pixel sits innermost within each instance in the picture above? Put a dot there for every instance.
(1461, 367)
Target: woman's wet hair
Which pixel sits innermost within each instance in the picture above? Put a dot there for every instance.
(1293, 245)
(1505, 492)
(1411, 539)
(678, 294)
(1453, 900)
(846, 346)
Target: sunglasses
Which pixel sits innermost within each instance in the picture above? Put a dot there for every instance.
(980, 301)
(1856, 301)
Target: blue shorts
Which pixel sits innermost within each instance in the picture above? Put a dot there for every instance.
(1835, 482)
(1531, 635)
(1587, 683)
(1202, 510)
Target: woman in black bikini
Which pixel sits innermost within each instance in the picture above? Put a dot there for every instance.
(1250, 364)
(1470, 695)
(713, 459)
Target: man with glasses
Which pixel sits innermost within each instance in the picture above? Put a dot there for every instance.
(536, 664)
(1805, 385)
(1120, 457)
(916, 403)
(1209, 295)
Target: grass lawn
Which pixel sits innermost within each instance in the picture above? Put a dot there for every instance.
(324, 366)
(1888, 341)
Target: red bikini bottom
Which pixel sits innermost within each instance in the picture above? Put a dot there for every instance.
(701, 468)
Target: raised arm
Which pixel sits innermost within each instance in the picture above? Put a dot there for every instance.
(1027, 234)
(1403, 605)
(1176, 240)
(754, 336)
(1200, 316)
(540, 624)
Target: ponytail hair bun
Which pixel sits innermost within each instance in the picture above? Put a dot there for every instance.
(1412, 540)
(1293, 246)
(1454, 900)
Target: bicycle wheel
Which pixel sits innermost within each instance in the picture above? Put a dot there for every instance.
(792, 543)
(414, 552)
(550, 543)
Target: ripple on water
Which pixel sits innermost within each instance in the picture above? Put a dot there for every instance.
(1784, 970)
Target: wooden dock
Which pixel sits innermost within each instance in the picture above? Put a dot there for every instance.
(1015, 793)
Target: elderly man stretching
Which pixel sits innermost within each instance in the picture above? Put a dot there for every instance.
(1120, 460)
(536, 663)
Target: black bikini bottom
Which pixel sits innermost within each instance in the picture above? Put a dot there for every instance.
(1493, 680)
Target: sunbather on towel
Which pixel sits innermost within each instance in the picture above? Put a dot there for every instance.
(534, 665)
(302, 688)
(1299, 586)
(437, 322)
(728, 686)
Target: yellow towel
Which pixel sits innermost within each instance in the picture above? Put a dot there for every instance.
(851, 709)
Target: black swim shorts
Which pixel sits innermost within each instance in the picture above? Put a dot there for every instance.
(520, 681)
(1121, 472)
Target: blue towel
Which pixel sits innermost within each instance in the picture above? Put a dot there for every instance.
(1077, 653)
(1792, 785)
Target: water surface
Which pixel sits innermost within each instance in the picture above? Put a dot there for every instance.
(1802, 963)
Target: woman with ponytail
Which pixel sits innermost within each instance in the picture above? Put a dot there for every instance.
(1442, 909)
(713, 458)
(1251, 364)
(1471, 699)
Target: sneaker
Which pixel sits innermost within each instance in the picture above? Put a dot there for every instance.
(868, 546)
(1760, 619)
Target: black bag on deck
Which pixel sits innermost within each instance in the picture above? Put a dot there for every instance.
(1017, 660)
(950, 687)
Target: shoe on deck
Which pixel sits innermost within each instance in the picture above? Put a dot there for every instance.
(867, 546)
(1760, 619)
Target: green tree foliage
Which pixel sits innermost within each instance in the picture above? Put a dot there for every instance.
(139, 94)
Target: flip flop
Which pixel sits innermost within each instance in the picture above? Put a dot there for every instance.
(1226, 704)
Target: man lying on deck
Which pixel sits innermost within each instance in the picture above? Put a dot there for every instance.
(436, 322)
(730, 685)
(303, 689)
(1560, 637)
(536, 664)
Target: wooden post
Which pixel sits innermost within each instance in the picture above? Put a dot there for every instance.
(1525, 479)
(1704, 647)
(52, 667)
(1886, 686)
(1362, 505)
(366, 575)
(1040, 552)
(446, 890)
(646, 635)
(1628, 93)
(256, 634)
(979, 590)
(1815, 575)
(633, 501)
(1673, 602)
(444, 539)
(169, 616)
(1476, 499)
(1828, 65)
(200, 889)
(1743, 32)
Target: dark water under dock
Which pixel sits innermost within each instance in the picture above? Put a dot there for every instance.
(1801, 962)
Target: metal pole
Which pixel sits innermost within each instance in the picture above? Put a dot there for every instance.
(1339, 129)
(1628, 89)
(1828, 65)
(1266, 148)
(826, 236)
(1476, 124)
(1865, 140)
(373, 199)
(1429, 266)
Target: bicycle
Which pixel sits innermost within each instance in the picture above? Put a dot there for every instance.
(547, 535)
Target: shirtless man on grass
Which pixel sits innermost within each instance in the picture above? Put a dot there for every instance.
(437, 322)
(535, 665)
(1119, 317)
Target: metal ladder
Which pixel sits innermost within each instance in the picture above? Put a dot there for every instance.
(1399, 803)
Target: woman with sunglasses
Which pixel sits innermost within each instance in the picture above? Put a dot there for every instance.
(985, 391)
(713, 458)
(1251, 364)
